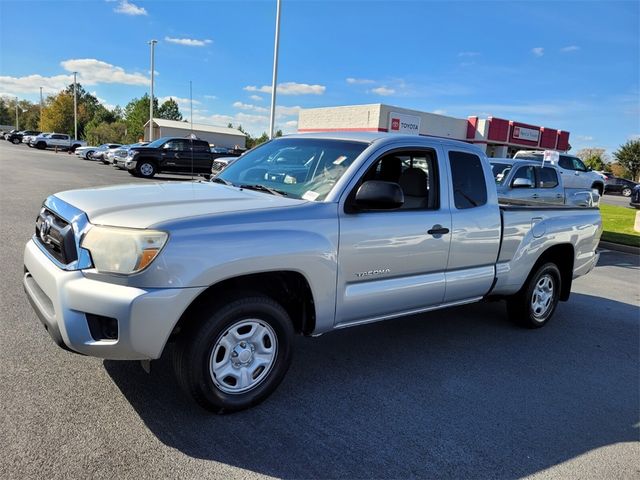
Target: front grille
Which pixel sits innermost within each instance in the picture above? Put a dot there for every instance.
(122, 153)
(57, 237)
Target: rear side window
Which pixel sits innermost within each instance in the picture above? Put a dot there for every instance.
(467, 176)
(200, 146)
(548, 178)
(566, 163)
(528, 173)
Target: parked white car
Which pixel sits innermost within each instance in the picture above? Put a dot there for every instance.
(575, 174)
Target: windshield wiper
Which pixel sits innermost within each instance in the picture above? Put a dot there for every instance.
(221, 180)
(262, 188)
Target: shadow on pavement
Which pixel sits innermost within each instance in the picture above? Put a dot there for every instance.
(457, 393)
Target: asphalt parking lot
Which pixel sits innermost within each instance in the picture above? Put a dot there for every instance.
(456, 394)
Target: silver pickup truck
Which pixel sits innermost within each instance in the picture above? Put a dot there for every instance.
(528, 182)
(304, 234)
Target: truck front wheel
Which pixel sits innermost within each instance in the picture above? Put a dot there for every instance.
(233, 356)
(146, 169)
(534, 305)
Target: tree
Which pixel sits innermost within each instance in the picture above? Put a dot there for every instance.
(57, 116)
(617, 170)
(6, 118)
(106, 132)
(136, 114)
(169, 110)
(596, 158)
(628, 155)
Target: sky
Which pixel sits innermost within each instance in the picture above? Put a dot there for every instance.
(571, 65)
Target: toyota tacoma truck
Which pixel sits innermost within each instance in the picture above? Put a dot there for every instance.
(304, 234)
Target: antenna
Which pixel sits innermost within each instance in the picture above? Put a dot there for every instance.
(191, 136)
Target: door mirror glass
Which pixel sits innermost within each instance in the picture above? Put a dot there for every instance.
(379, 195)
(522, 183)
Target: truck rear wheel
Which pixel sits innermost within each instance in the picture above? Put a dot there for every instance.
(235, 354)
(534, 305)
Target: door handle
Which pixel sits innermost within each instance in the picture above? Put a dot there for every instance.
(177, 156)
(438, 230)
(535, 195)
(577, 173)
(559, 195)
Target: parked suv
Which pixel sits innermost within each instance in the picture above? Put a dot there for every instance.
(56, 140)
(619, 185)
(171, 155)
(575, 174)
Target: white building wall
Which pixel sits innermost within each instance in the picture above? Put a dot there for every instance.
(340, 118)
(218, 139)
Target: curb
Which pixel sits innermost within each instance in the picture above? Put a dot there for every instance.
(619, 248)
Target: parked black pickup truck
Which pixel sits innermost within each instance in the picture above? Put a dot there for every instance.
(171, 155)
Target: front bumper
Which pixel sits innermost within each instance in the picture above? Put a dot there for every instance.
(130, 164)
(61, 299)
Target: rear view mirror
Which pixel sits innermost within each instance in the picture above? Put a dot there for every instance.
(522, 183)
(379, 195)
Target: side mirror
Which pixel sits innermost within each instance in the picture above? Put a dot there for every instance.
(522, 183)
(379, 195)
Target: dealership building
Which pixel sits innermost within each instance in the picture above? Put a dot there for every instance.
(498, 137)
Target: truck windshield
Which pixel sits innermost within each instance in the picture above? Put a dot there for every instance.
(303, 168)
(500, 171)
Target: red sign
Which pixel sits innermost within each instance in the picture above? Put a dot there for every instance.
(395, 124)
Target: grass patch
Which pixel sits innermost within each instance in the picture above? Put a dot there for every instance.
(618, 225)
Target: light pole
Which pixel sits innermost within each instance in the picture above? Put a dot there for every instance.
(153, 45)
(17, 123)
(40, 108)
(75, 107)
(274, 80)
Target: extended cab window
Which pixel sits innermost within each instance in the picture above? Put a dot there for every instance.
(467, 176)
(200, 146)
(414, 171)
(547, 177)
(500, 172)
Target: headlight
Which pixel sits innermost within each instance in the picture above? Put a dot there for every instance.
(133, 153)
(123, 250)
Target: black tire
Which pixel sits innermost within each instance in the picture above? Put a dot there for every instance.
(520, 307)
(132, 172)
(599, 188)
(89, 155)
(41, 145)
(194, 351)
(146, 169)
(626, 192)
(15, 141)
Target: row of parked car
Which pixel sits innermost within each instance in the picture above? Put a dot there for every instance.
(167, 154)
(36, 139)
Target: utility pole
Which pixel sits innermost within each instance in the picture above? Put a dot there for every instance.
(274, 80)
(17, 123)
(40, 108)
(153, 45)
(75, 107)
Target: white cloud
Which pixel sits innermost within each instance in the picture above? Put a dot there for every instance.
(440, 111)
(292, 123)
(256, 98)
(188, 42)
(103, 102)
(570, 48)
(290, 88)
(127, 8)
(584, 138)
(359, 81)
(537, 51)
(182, 102)
(383, 91)
(248, 106)
(468, 54)
(32, 84)
(92, 71)
(210, 97)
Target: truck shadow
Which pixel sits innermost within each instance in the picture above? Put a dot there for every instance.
(458, 393)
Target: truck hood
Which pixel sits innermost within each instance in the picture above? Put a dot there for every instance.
(141, 206)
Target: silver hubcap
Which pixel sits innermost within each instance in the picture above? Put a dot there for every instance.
(243, 356)
(146, 169)
(542, 298)
(626, 192)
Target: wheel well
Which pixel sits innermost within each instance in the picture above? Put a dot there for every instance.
(289, 289)
(562, 256)
(599, 186)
